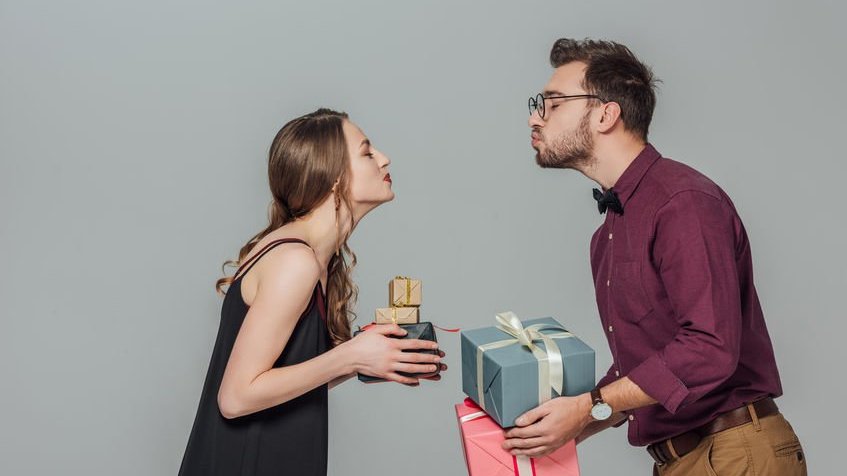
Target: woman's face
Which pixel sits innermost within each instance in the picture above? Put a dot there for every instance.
(370, 183)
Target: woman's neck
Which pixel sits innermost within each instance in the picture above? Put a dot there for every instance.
(320, 230)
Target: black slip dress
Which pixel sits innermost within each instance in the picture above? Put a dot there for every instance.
(288, 439)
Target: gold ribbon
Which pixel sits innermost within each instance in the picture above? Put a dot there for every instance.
(383, 313)
(550, 370)
(408, 291)
(393, 316)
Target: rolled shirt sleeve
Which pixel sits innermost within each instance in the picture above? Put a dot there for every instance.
(694, 249)
(608, 378)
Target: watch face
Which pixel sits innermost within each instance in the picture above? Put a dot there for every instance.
(601, 411)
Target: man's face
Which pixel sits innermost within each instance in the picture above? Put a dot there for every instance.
(563, 137)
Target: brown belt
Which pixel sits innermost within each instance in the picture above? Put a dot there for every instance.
(679, 446)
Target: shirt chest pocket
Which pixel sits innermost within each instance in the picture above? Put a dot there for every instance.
(628, 299)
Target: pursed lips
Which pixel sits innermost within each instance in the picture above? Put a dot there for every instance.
(536, 137)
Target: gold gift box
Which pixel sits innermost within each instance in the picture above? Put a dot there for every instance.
(397, 315)
(404, 292)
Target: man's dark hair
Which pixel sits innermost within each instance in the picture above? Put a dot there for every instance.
(616, 75)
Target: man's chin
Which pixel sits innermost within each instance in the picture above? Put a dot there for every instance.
(544, 164)
(538, 160)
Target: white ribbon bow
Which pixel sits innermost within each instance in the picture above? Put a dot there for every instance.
(550, 370)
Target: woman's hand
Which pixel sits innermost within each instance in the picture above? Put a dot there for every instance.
(375, 353)
(437, 376)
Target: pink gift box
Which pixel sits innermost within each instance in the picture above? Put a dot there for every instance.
(482, 438)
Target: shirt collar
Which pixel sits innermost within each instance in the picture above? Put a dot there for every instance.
(631, 177)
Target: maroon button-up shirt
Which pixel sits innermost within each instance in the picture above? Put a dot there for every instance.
(674, 282)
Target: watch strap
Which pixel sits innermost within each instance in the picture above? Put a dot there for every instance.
(595, 396)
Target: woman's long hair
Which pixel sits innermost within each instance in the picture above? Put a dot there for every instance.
(307, 157)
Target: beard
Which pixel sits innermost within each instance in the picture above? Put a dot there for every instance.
(569, 151)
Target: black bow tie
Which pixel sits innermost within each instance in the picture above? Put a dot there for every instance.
(608, 200)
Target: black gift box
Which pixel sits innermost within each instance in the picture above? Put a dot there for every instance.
(421, 330)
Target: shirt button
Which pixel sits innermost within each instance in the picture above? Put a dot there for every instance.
(610, 236)
(617, 374)
(608, 282)
(631, 417)
(611, 329)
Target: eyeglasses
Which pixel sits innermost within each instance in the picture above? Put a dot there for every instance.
(537, 103)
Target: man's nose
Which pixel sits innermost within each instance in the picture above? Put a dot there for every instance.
(535, 120)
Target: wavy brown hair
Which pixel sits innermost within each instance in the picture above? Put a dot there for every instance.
(307, 157)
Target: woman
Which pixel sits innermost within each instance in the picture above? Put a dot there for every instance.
(284, 335)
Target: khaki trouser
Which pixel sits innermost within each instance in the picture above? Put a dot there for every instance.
(766, 446)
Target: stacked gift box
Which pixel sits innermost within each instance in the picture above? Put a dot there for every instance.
(404, 302)
(507, 370)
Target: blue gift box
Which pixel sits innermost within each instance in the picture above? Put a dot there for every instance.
(513, 375)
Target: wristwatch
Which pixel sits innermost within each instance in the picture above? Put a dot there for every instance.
(600, 410)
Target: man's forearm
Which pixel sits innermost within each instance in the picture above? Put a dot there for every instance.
(597, 426)
(621, 395)
(624, 394)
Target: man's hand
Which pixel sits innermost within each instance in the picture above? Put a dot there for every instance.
(546, 428)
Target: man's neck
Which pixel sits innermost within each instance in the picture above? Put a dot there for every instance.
(612, 159)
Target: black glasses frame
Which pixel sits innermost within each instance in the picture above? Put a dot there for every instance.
(536, 103)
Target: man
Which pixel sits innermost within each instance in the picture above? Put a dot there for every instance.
(694, 374)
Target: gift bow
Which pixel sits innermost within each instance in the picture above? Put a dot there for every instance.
(550, 369)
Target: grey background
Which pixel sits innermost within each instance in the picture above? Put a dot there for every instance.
(132, 149)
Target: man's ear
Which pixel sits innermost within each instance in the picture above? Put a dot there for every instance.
(610, 114)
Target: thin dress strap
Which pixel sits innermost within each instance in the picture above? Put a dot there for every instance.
(255, 258)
